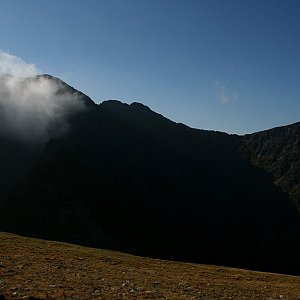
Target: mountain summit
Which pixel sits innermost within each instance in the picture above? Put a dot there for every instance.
(126, 178)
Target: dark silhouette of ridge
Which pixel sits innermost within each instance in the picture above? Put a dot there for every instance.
(129, 179)
(66, 89)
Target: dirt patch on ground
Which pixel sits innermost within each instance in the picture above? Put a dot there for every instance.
(37, 269)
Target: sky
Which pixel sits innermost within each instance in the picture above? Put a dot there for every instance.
(227, 65)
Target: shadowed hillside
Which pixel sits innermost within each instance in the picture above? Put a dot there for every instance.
(278, 152)
(127, 178)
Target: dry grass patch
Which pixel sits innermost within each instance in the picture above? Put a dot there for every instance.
(38, 269)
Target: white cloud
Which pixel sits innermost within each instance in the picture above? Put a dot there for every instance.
(13, 65)
(225, 93)
(32, 108)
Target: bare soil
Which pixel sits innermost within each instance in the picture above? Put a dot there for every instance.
(38, 269)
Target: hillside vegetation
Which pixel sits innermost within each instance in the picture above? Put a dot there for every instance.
(38, 269)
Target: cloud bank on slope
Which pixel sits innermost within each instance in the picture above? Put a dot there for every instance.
(13, 65)
(32, 108)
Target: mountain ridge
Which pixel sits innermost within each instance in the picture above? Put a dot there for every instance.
(126, 178)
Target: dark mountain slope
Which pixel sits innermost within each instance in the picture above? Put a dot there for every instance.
(278, 152)
(129, 179)
(65, 89)
(18, 156)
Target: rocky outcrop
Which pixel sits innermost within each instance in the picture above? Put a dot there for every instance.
(278, 152)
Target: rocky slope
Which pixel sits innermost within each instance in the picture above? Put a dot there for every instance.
(278, 152)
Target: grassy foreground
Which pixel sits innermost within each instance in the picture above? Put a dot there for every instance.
(38, 269)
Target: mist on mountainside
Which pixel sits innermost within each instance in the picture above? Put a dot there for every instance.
(32, 107)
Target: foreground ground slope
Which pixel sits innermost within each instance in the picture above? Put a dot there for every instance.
(38, 269)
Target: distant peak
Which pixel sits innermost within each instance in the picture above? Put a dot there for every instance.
(136, 106)
(112, 102)
(49, 77)
(140, 106)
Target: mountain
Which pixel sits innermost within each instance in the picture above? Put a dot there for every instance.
(278, 152)
(126, 178)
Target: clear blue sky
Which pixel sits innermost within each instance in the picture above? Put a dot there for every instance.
(229, 65)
